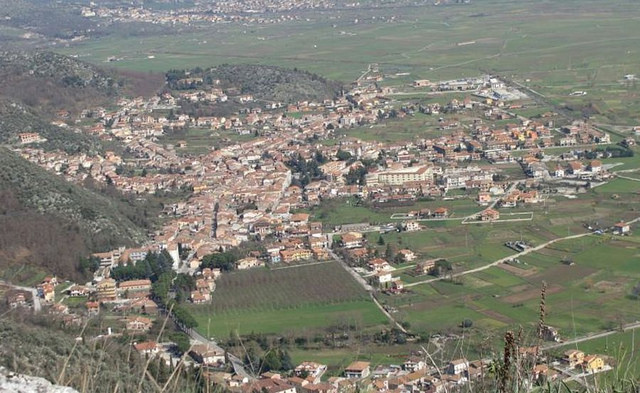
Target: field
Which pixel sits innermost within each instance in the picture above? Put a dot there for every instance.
(303, 298)
(553, 47)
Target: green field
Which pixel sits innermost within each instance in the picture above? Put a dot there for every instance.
(553, 47)
(298, 299)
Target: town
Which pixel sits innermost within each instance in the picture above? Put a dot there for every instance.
(273, 163)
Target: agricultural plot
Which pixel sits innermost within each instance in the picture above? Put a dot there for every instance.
(580, 298)
(304, 297)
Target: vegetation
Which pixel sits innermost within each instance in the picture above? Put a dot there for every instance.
(51, 223)
(267, 83)
(271, 301)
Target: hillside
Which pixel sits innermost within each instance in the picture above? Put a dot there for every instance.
(47, 222)
(50, 82)
(38, 348)
(17, 118)
(267, 83)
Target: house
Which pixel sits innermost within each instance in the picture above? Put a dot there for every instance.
(357, 370)
(352, 240)
(77, 290)
(457, 367)
(397, 286)
(411, 226)
(48, 292)
(378, 265)
(542, 371)
(310, 369)
(208, 355)
(621, 228)
(573, 357)
(146, 348)
(593, 363)
(299, 219)
(93, 308)
(381, 279)
(407, 255)
(322, 387)
(138, 324)
(575, 168)
(425, 267)
(269, 385)
(294, 255)
(489, 215)
(441, 212)
(248, 263)
(414, 363)
(550, 333)
(595, 166)
(17, 299)
(484, 197)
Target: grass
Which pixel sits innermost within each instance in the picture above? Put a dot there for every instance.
(295, 299)
(298, 320)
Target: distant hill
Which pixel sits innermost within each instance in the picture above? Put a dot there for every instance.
(264, 82)
(48, 222)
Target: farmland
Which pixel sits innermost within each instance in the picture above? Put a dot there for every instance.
(292, 299)
(549, 47)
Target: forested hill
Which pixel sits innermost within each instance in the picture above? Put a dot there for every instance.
(264, 82)
(49, 82)
(16, 118)
(50, 223)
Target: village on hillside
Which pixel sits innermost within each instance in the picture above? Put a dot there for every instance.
(274, 163)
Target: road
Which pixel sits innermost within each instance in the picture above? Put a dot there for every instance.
(594, 336)
(502, 260)
(367, 288)
(238, 365)
(37, 306)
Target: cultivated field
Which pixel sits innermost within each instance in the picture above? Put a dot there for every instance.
(554, 48)
(286, 300)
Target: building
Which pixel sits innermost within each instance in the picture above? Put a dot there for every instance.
(422, 174)
(146, 348)
(135, 286)
(106, 289)
(573, 357)
(208, 355)
(138, 324)
(414, 363)
(621, 228)
(294, 255)
(358, 370)
(407, 255)
(458, 366)
(593, 363)
(490, 215)
(248, 263)
(310, 369)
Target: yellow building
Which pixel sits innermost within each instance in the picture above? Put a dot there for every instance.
(593, 363)
(106, 289)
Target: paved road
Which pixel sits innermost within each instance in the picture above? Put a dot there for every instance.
(238, 365)
(367, 288)
(588, 337)
(502, 260)
(37, 306)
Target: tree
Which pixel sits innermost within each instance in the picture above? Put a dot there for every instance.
(342, 155)
(390, 252)
(380, 241)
